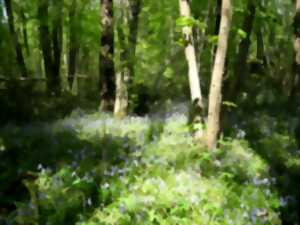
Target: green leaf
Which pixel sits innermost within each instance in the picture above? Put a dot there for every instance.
(76, 181)
(229, 104)
(213, 39)
(242, 33)
(185, 22)
(168, 73)
(152, 215)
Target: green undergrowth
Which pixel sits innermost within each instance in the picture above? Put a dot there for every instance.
(94, 170)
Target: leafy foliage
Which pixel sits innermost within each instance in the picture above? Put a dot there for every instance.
(153, 173)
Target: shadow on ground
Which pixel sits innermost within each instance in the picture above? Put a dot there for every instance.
(55, 172)
(284, 165)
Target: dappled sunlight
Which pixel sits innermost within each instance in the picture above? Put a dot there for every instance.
(142, 112)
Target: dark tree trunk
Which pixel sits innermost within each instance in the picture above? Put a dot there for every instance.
(260, 52)
(51, 45)
(135, 8)
(57, 32)
(85, 61)
(216, 28)
(218, 16)
(24, 31)
(241, 63)
(259, 66)
(17, 44)
(106, 61)
(296, 63)
(73, 44)
(45, 42)
(232, 87)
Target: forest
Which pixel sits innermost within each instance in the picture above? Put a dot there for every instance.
(149, 112)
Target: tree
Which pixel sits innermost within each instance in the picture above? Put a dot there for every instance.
(218, 16)
(106, 56)
(296, 63)
(57, 42)
(240, 67)
(51, 43)
(215, 94)
(45, 41)
(17, 45)
(73, 43)
(24, 29)
(193, 71)
(260, 48)
(130, 10)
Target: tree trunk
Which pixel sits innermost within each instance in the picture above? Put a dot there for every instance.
(16, 43)
(127, 56)
(135, 9)
(24, 31)
(215, 95)
(260, 52)
(51, 56)
(57, 40)
(106, 57)
(121, 102)
(45, 41)
(73, 44)
(193, 72)
(218, 16)
(296, 63)
(216, 28)
(240, 68)
(122, 76)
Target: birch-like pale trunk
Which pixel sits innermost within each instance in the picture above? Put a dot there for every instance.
(130, 18)
(215, 94)
(190, 54)
(121, 102)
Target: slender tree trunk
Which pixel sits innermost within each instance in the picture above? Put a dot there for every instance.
(240, 68)
(296, 63)
(85, 61)
(51, 54)
(57, 41)
(260, 52)
(106, 61)
(24, 31)
(216, 28)
(215, 95)
(135, 9)
(45, 41)
(193, 72)
(122, 76)
(127, 57)
(201, 37)
(73, 44)
(218, 16)
(51, 44)
(121, 102)
(18, 48)
(217, 24)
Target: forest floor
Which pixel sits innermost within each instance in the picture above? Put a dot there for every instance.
(90, 169)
